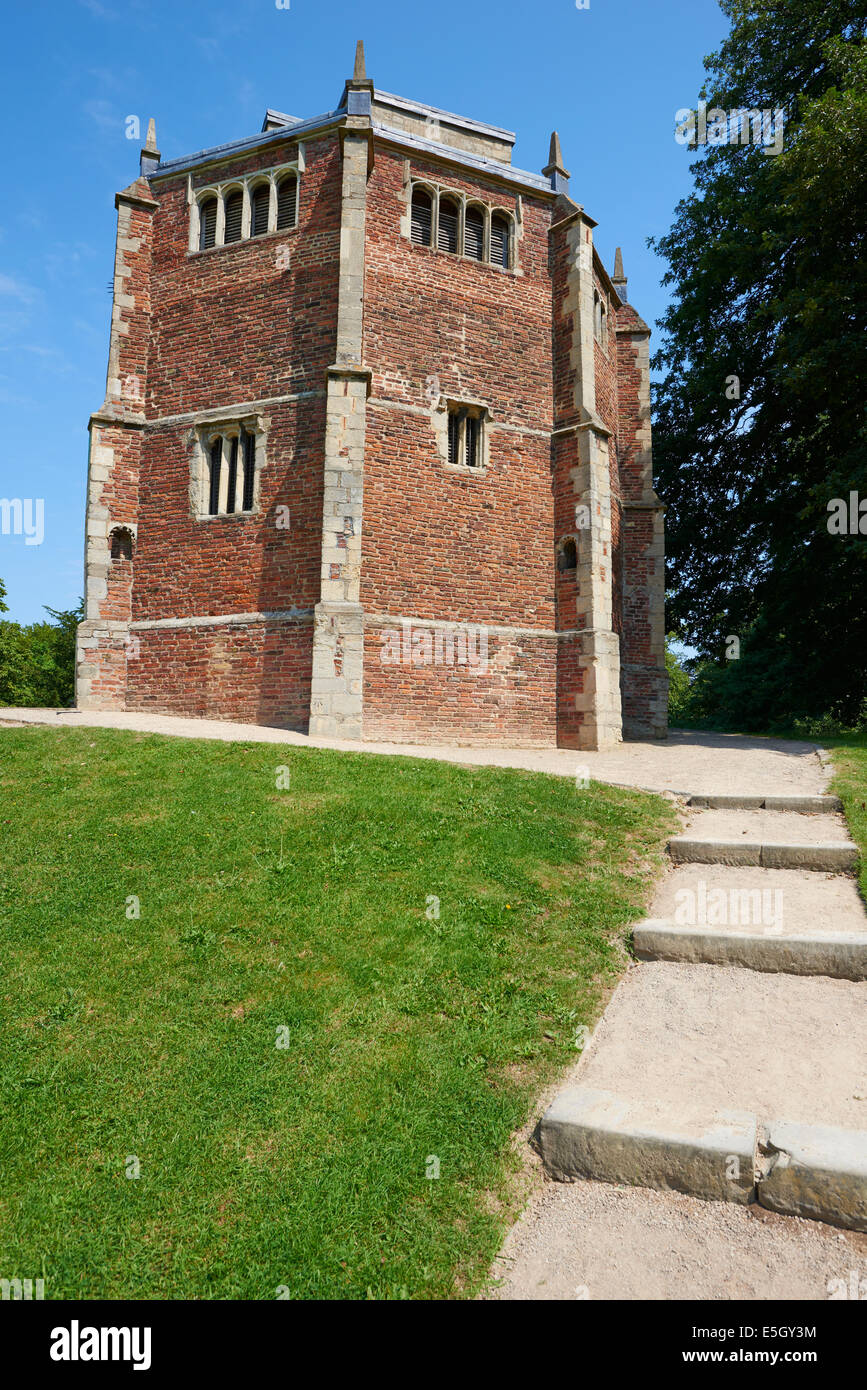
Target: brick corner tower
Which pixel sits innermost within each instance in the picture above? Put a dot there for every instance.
(374, 459)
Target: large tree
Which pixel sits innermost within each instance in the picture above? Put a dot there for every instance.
(767, 264)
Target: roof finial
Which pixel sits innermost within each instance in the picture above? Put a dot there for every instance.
(555, 169)
(618, 279)
(358, 91)
(149, 160)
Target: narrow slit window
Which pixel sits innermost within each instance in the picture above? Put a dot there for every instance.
(500, 241)
(454, 437)
(234, 211)
(447, 236)
(287, 200)
(232, 481)
(216, 464)
(259, 204)
(567, 558)
(422, 218)
(207, 224)
(248, 442)
(474, 234)
(473, 435)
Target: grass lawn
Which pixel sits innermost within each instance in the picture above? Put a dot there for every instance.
(286, 1037)
(850, 783)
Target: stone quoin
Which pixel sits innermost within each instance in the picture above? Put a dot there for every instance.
(364, 375)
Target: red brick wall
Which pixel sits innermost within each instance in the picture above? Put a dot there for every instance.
(231, 325)
(511, 701)
(437, 544)
(635, 569)
(258, 673)
(237, 564)
(228, 323)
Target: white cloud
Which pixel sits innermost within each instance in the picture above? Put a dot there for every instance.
(17, 289)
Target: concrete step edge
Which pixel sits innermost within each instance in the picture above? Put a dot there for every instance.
(813, 1171)
(815, 805)
(838, 955)
(595, 1134)
(833, 856)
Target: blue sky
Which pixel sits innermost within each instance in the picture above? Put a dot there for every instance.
(609, 78)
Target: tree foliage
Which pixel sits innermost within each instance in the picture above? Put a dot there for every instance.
(37, 662)
(768, 265)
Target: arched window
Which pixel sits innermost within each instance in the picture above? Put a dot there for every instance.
(121, 543)
(287, 202)
(500, 239)
(567, 555)
(260, 200)
(230, 484)
(447, 232)
(600, 318)
(207, 223)
(234, 213)
(474, 234)
(221, 218)
(422, 217)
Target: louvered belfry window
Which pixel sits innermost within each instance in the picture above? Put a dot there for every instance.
(231, 472)
(447, 234)
(287, 200)
(500, 241)
(234, 212)
(422, 218)
(207, 223)
(474, 234)
(259, 204)
(222, 217)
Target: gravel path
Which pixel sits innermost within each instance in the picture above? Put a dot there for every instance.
(589, 1240)
(689, 762)
(692, 1042)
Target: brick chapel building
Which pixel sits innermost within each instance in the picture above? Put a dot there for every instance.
(374, 406)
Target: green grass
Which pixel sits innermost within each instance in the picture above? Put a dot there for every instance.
(303, 909)
(850, 782)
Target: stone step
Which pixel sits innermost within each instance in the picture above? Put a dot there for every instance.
(814, 805)
(752, 899)
(767, 827)
(840, 955)
(828, 856)
(694, 1061)
(811, 1171)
